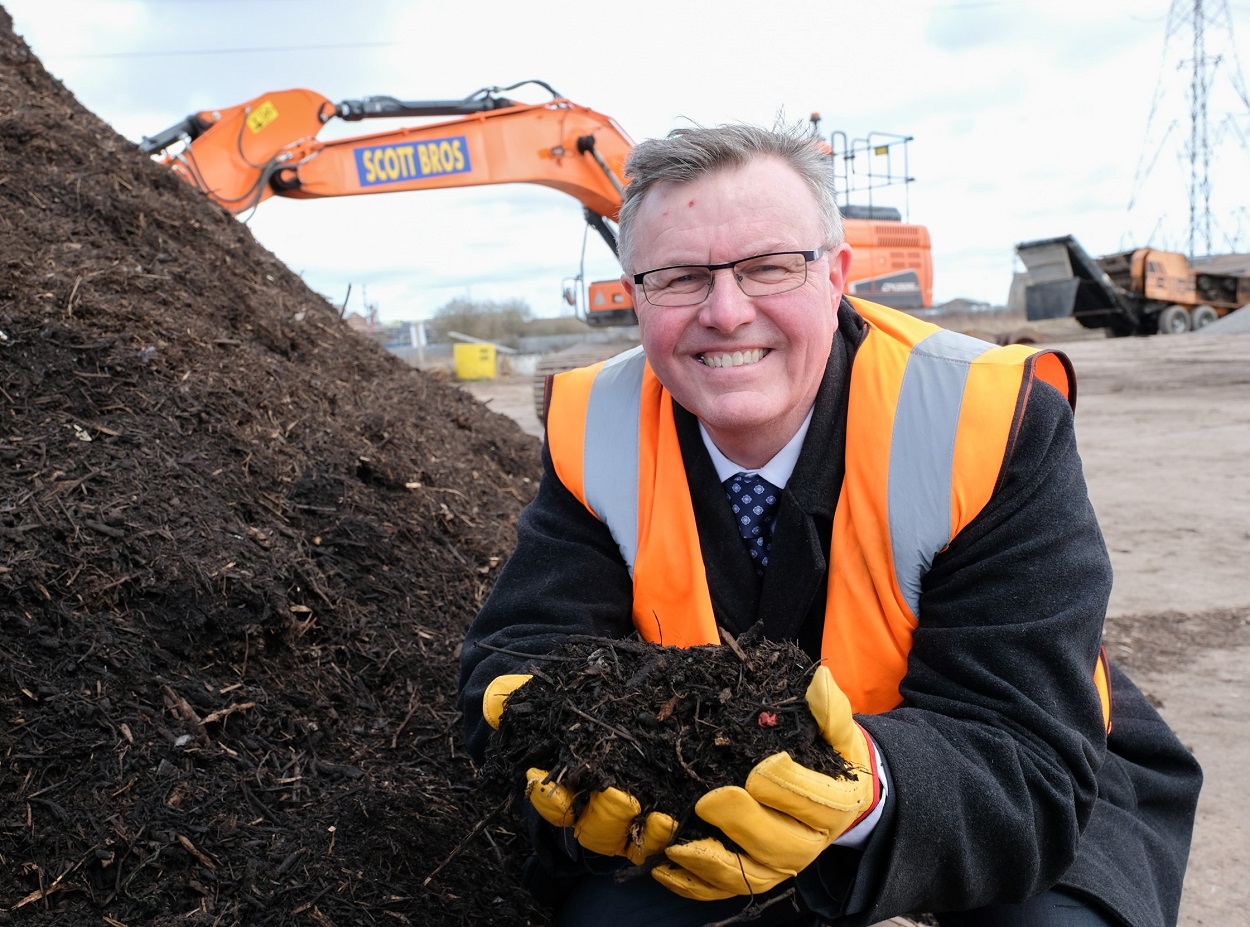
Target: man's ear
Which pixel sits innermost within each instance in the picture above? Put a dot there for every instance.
(839, 267)
(628, 282)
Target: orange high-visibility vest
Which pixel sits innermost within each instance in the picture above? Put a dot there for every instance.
(930, 415)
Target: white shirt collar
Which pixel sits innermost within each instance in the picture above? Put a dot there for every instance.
(777, 471)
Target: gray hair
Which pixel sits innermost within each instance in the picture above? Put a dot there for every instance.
(687, 154)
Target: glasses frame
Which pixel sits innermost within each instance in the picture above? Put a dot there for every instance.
(814, 254)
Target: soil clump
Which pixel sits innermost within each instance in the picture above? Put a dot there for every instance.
(665, 725)
(239, 546)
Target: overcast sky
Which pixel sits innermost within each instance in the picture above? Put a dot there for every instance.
(1030, 119)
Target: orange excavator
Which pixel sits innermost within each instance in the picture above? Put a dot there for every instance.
(242, 155)
(267, 146)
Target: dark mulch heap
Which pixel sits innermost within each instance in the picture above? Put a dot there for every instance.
(239, 546)
(664, 725)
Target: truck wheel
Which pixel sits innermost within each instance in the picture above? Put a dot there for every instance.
(1201, 317)
(1174, 320)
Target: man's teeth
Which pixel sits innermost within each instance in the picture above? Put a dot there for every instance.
(736, 359)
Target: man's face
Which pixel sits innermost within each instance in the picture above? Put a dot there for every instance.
(748, 367)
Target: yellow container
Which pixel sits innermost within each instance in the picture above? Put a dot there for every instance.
(474, 361)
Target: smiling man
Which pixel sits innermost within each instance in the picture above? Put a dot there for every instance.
(904, 502)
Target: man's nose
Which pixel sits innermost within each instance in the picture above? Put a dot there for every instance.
(726, 306)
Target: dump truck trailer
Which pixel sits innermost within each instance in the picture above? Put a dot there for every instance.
(1145, 291)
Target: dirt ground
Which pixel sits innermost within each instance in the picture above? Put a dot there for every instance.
(239, 548)
(1164, 431)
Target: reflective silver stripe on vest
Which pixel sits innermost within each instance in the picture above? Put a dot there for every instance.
(610, 457)
(922, 454)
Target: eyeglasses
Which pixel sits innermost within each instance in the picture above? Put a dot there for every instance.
(761, 275)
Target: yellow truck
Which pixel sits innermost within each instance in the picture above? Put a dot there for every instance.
(1140, 292)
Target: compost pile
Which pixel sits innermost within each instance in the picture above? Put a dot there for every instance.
(239, 547)
(663, 724)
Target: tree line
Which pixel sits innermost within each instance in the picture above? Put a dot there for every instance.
(499, 321)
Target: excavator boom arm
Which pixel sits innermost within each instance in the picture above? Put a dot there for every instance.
(552, 144)
(266, 147)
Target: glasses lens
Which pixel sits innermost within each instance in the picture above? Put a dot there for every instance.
(677, 286)
(771, 273)
(762, 275)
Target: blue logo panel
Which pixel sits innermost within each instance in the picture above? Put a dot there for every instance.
(383, 164)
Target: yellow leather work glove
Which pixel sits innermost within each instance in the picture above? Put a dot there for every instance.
(785, 817)
(496, 695)
(611, 824)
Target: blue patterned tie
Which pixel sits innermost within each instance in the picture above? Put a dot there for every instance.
(754, 501)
